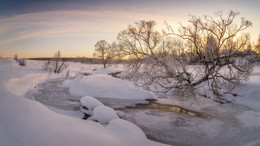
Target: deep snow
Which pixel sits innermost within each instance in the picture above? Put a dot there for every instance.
(25, 122)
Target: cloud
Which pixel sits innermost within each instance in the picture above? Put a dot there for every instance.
(58, 23)
(83, 25)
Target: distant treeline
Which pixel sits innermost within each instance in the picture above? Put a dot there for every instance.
(81, 59)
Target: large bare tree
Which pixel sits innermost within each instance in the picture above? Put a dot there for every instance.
(205, 58)
(218, 45)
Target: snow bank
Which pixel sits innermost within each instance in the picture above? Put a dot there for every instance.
(81, 68)
(126, 128)
(104, 114)
(27, 123)
(20, 86)
(105, 86)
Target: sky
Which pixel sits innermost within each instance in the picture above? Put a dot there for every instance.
(39, 28)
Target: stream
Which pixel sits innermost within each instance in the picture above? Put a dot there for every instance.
(168, 124)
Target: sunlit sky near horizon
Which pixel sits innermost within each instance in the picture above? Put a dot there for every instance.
(39, 28)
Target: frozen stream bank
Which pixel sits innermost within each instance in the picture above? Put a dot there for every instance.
(223, 126)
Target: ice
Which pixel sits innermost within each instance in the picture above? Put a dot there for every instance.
(254, 117)
(251, 94)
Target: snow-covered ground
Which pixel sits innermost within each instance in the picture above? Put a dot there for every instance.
(26, 122)
(236, 123)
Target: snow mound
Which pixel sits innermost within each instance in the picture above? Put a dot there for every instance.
(104, 114)
(126, 128)
(89, 102)
(105, 86)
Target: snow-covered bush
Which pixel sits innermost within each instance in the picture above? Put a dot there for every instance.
(90, 102)
(104, 114)
(21, 62)
(120, 114)
(96, 111)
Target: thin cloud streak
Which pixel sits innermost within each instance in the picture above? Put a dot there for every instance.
(33, 25)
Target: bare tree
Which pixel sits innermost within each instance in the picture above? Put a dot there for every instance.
(56, 64)
(59, 63)
(103, 51)
(137, 43)
(206, 56)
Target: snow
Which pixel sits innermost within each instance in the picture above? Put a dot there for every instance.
(104, 114)
(69, 113)
(90, 103)
(120, 113)
(126, 127)
(93, 69)
(105, 86)
(20, 86)
(97, 111)
(25, 122)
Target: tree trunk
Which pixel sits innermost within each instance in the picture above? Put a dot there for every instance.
(105, 62)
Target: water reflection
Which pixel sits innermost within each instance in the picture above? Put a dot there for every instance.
(170, 108)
